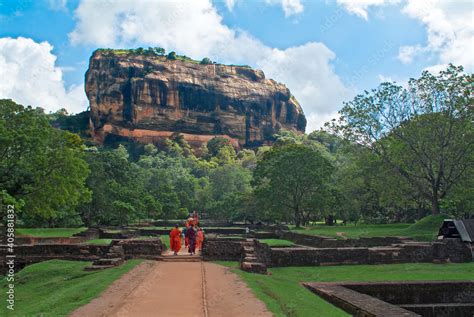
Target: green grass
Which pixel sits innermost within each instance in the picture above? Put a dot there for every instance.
(425, 229)
(277, 242)
(166, 241)
(56, 287)
(99, 241)
(284, 296)
(49, 232)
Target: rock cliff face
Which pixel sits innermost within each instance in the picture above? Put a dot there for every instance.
(148, 98)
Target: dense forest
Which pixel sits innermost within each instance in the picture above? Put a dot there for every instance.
(396, 154)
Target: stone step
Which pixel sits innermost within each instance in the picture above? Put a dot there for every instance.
(254, 267)
(180, 259)
(384, 249)
(97, 267)
(113, 261)
(249, 249)
(112, 255)
(250, 259)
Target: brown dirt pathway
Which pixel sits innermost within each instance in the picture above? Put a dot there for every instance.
(191, 289)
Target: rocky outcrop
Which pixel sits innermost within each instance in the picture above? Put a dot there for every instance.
(148, 98)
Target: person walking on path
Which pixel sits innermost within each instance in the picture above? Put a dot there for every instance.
(175, 240)
(191, 235)
(199, 239)
(185, 238)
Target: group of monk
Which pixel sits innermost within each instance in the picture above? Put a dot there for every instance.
(192, 235)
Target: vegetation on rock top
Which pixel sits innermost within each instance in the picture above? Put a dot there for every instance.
(159, 52)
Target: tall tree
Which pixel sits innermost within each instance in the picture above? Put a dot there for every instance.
(424, 131)
(40, 166)
(292, 178)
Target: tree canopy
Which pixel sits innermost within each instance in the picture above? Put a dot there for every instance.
(424, 131)
(292, 178)
(42, 169)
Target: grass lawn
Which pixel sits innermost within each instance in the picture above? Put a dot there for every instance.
(425, 229)
(56, 287)
(49, 232)
(277, 242)
(284, 296)
(99, 241)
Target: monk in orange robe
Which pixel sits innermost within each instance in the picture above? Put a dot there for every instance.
(199, 239)
(175, 240)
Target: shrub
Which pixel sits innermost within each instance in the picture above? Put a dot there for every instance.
(172, 55)
(206, 61)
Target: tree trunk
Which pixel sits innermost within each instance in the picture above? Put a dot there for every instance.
(297, 218)
(434, 205)
(330, 220)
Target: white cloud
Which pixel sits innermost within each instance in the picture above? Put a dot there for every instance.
(450, 30)
(196, 29)
(361, 7)
(383, 79)
(30, 77)
(290, 7)
(230, 4)
(306, 70)
(407, 53)
(58, 5)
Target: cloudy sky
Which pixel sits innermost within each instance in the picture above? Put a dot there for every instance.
(324, 51)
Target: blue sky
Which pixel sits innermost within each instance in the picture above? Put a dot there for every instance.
(324, 51)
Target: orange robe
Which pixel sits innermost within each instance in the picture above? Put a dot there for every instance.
(199, 239)
(175, 240)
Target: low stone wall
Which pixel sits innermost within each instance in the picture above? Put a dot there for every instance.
(417, 292)
(222, 249)
(326, 242)
(451, 250)
(225, 231)
(125, 234)
(264, 235)
(28, 254)
(141, 248)
(313, 256)
(33, 253)
(401, 298)
(89, 233)
(48, 240)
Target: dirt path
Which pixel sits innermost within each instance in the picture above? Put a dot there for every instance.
(176, 289)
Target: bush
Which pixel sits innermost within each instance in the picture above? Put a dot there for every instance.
(172, 55)
(206, 61)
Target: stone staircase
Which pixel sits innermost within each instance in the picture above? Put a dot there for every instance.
(183, 256)
(114, 257)
(180, 258)
(250, 261)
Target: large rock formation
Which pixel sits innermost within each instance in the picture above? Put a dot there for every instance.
(148, 98)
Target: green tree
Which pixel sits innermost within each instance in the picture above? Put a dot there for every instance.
(114, 178)
(206, 61)
(292, 178)
(215, 144)
(172, 56)
(425, 131)
(160, 51)
(41, 168)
